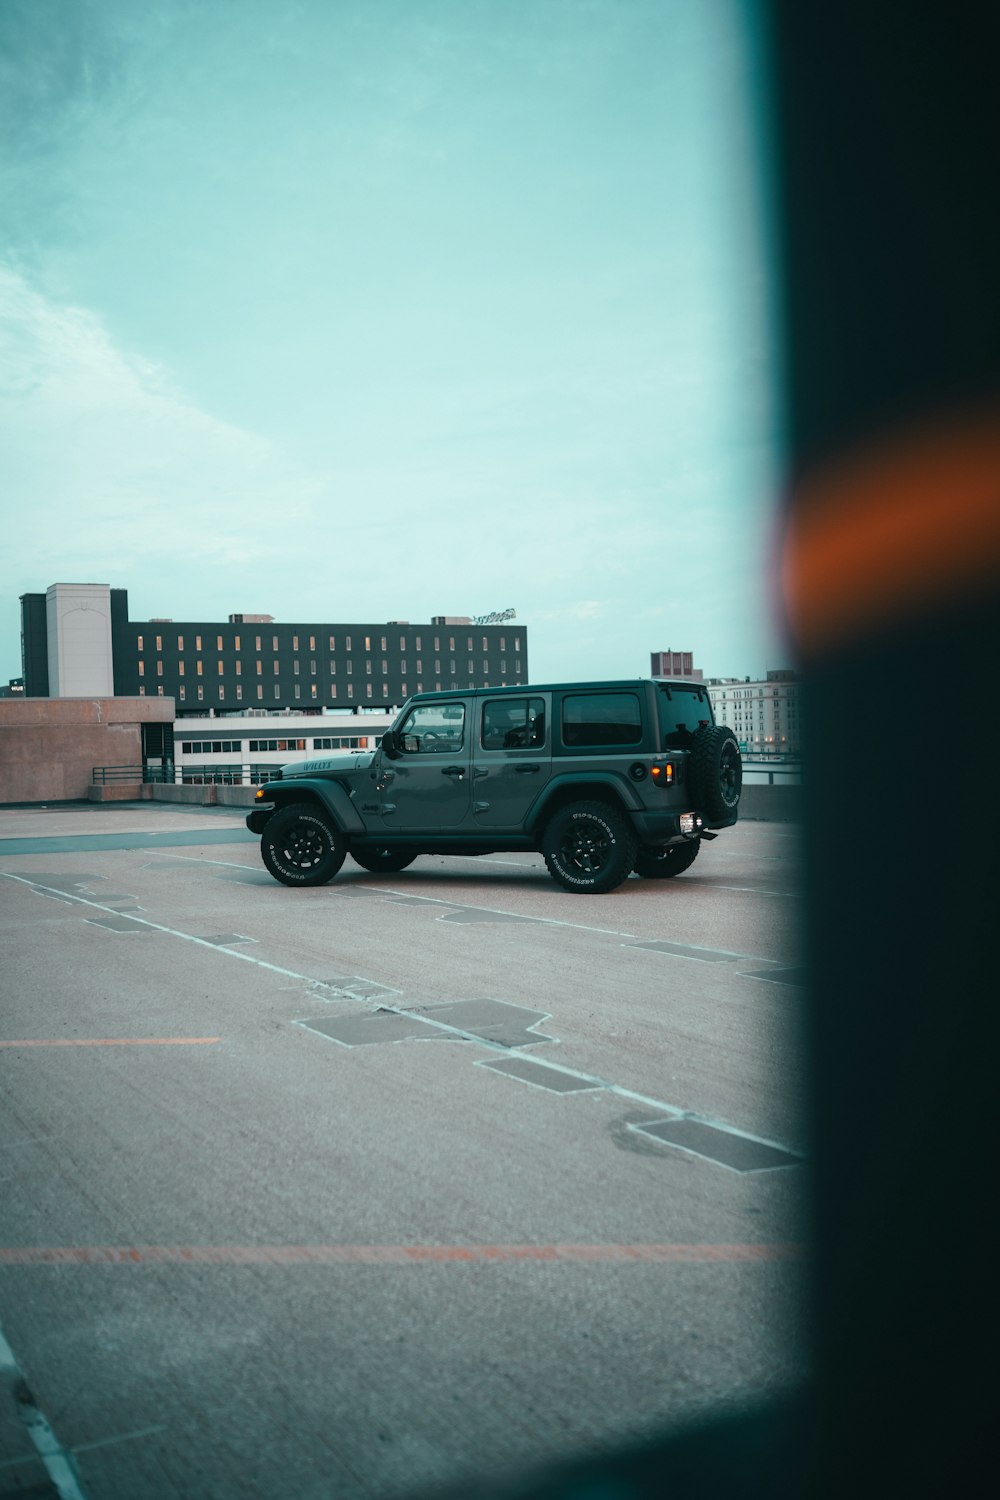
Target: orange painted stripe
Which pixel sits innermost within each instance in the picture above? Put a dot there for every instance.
(118, 1041)
(322, 1255)
(883, 534)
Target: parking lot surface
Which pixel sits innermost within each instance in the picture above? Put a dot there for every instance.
(352, 1190)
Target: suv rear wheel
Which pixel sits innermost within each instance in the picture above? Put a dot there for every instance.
(589, 847)
(300, 847)
(659, 864)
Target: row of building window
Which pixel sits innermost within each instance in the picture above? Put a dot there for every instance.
(332, 667)
(403, 645)
(439, 687)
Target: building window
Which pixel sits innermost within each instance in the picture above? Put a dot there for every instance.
(402, 667)
(418, 643)
(517, 643)
(142, 669)
(239, 690)
(486, 643)
(180, 669)
(236, 643)
(385, 669)
(437, 643)
(257, 643)
(313, 690)
(274, 643)
(312, 668)
(348, 644)
(295, 668)
(420, 668)
(402, 643)
(182, 693)
(451, 643)
(260, 668)
(312, 643)
(159, 643)
(221, 669)
(368, 666)
(260, 691)
(201, 692)
(350, 690)
(159, 669)
(368, 643)
(298, 691)
(350, 668)
(139, 642)
(369, 689)
(333, 643)
(222, 690)
(197, 643)
(218, 643)
(142, 692)
(180, 643)
(403, 689)
(277, 691)
(295, 643)
(333, 669)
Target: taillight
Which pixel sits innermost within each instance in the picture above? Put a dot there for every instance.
(663, 775)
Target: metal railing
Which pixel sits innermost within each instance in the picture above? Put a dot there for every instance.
(187, 775)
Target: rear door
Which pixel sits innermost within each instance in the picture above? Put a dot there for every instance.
(512, 759)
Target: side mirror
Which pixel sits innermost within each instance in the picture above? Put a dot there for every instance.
(390, 744)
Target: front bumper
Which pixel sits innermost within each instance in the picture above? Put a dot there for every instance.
(259, 816)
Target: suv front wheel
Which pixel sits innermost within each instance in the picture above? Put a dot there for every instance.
(589, 847)
(300, 847)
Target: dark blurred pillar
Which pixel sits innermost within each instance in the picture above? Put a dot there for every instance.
(888, 131)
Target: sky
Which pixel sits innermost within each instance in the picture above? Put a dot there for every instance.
(350, 310)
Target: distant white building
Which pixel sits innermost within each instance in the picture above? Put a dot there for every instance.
(764, 715)
(245, 749)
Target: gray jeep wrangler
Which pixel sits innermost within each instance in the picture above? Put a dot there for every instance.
(602, 778)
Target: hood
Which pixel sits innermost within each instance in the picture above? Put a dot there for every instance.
(344, 762)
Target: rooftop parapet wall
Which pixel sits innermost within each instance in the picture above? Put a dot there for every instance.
(49, 746)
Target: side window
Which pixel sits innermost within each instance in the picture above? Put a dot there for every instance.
(432, 728)
(601, 719)
(513, 723)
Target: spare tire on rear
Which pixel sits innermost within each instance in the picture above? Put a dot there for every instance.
(716, 771)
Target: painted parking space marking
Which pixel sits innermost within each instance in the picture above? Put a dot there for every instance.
(58, 1461)
(335, 991)
(395, 1255)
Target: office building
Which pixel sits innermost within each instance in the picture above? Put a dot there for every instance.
(78, 640)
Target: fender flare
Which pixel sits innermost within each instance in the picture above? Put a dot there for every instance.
(329, 794)
(623, 793)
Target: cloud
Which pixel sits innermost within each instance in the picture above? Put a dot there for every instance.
(106, 461)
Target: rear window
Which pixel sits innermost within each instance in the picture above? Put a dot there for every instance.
(601, 719)
(682, 711)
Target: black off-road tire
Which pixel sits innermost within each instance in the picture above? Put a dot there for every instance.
(716, 772)
(660, 864)
(589, 847)
(384, 861)
(300, 847)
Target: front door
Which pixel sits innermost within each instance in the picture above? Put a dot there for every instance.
(427, 786)
(513, 759)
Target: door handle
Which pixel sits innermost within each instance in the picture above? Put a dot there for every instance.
(453, 771)
(526, 770)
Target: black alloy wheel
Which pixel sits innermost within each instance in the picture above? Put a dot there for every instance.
(589, 847)
(299, 846)
(716, 771)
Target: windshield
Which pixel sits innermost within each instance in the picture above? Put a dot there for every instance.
(682, 710)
